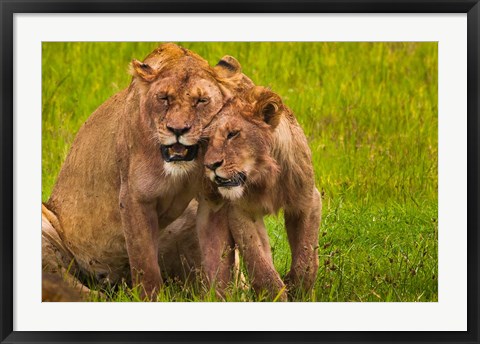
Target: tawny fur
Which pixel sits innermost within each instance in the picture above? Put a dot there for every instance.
(259, 136)
(56, 289)
(116, 208)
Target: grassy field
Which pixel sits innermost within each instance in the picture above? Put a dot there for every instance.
(369, 111)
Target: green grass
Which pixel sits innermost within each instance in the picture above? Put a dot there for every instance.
(369, 111)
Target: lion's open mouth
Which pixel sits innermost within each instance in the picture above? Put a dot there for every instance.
(179, 152)
(237, 180)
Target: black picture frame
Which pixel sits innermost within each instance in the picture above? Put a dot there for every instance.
(9, 7)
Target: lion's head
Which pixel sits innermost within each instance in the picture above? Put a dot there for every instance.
(180, 94)
(239, 154)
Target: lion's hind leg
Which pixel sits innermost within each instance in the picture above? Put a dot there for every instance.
(58, 265)
(55, 256)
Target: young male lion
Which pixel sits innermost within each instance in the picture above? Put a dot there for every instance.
(134, 168)
(258, 161)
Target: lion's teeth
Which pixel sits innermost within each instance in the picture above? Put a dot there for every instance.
(172, 151)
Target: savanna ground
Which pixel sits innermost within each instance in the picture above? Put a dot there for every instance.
(369, 111)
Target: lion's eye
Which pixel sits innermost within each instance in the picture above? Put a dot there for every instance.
(162, 97)
(232, 134)
(202, 101)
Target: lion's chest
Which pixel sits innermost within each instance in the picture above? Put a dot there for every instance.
(170, 207)
(171, 193)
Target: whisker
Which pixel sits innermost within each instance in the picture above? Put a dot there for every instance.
(154, 137)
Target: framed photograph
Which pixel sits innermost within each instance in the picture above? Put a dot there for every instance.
(323, 154)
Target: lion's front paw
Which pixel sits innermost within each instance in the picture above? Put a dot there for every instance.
(303, 281)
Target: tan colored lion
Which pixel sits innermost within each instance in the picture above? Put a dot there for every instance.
(258, 161)
(119, 205)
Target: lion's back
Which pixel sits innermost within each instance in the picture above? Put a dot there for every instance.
(85, 196)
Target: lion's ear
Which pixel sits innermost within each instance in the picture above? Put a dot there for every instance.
(142, 70)
(227, 67)
(268, 105)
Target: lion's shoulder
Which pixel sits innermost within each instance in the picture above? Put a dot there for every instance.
(292, 156)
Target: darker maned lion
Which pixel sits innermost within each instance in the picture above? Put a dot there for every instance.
(258, 161)
(116, 208)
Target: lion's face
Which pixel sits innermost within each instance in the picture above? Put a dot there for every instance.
(240, 143)
(181, 103)
(181, 94)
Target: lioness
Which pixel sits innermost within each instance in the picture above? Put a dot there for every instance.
(258, 161)
(134, 168)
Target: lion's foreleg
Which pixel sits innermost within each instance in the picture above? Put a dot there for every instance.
(302, 230)
(251, 237)
(216, 245)
(140, 226)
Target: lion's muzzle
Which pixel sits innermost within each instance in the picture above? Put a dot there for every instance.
(237, 180)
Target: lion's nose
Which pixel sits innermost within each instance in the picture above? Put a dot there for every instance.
(214, 166)
(178, 131)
